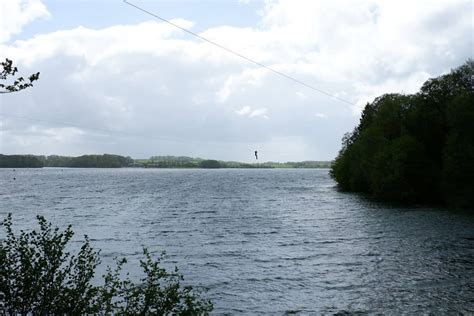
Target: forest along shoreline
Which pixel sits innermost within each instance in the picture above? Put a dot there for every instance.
(117, 161)
(416, 149)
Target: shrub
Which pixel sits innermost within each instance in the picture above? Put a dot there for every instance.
(39, 276)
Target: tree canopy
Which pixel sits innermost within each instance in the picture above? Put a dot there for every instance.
(85, 161)
(20, 161)
(414, 148)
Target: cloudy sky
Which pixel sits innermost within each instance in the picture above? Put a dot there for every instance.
(115, 80)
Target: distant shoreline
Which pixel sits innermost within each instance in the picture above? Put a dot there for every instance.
(227, 168)
(154, 162)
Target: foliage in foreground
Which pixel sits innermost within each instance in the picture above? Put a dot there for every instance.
(415, 148)
(39, 276)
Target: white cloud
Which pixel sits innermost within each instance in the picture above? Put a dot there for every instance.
(248, 112)
(320, 115)
(301, 95)
(243, 111)
(259, 112)
(14, 14)
(152, 81)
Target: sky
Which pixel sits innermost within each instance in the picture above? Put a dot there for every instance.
(115, 80)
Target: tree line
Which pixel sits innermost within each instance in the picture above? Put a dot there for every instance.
(190, 162)
(415, 148)
(117, 161)
(85, 161)
(20, 161)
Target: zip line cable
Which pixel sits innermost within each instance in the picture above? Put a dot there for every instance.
(240, 55)
(128, 134)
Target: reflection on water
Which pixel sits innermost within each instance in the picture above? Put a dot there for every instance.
(262, 241)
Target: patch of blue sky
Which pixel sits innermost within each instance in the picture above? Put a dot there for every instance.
(69, 14)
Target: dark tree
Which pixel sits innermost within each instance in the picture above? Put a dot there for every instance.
(20, 161)
(416, 148)
(210, 164)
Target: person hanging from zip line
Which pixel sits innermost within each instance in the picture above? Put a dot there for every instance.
(256, 155)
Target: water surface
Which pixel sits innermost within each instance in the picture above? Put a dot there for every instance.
(262, 241)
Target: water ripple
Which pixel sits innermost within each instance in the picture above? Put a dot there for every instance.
(283, 242)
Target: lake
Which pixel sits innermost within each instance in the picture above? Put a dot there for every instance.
(268, 241)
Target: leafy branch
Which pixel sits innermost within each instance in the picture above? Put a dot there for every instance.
(19, 83)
